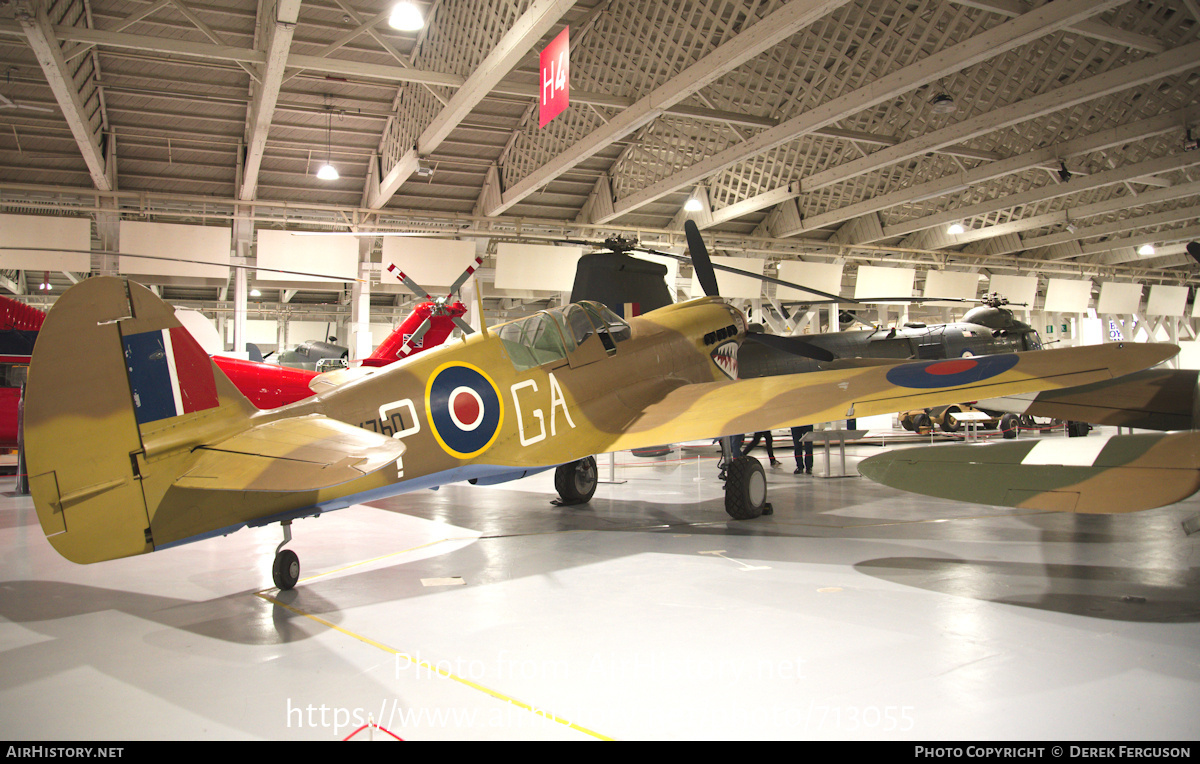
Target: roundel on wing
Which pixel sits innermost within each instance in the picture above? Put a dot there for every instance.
(464, 409)
(952, 373)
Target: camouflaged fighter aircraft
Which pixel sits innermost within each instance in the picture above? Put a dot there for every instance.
(149, 445)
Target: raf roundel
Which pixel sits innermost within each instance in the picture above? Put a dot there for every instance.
(464, 409)
(952, 373)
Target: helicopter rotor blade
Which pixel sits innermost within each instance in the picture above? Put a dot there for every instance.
(465, 275)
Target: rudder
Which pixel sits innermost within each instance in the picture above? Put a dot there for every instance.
(118, 394)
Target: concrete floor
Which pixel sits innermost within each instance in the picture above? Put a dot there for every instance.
(854, 612)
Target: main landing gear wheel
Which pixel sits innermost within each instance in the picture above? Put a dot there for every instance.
(286, 570)
(1008, 426)
(746, 489)
(576, 481)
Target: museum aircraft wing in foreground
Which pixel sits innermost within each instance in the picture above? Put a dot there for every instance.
(1093, 475)
(149, 445)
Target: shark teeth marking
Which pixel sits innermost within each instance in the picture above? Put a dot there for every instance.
(725, 357)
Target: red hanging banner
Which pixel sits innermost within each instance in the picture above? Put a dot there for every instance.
(555, 78)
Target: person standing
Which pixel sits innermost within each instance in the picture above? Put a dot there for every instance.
(764, 436)
(802, 449)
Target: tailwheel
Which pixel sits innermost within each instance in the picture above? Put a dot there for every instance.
(746, 489)
(576, 481)
(285, 571)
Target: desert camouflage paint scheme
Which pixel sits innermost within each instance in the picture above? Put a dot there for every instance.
(1095, 475)
(149, 445)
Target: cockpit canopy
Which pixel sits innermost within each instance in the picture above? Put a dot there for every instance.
(550, 335)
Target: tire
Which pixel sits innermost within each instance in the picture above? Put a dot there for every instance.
(922, 424)
(745, 488)
(949, 423)
(1008, 426)
(286, 570)
(576, 481)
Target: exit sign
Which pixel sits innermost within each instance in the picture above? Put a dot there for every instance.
(554, 66)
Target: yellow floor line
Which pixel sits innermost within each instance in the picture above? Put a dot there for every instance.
(429, 667)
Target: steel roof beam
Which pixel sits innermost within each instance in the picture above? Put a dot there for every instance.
(41, 37)
(763, 35)
(524, 34)
(266, 93)
(1030, 26)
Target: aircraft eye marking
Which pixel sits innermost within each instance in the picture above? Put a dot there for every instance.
(464, 409)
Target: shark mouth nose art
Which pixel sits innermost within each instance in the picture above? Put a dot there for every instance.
(725, 357)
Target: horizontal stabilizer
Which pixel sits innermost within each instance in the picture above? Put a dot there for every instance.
(291, 455)
(1121, 473)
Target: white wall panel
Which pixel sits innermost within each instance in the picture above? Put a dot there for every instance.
(874, 281)
(1166, 300)
(826, 277)
(431, 263)
(734, 284)
(1018, 289)
(536, 266)
(193, 251)
(951, 284)
(322, 258)
(1116, 297)
(1068, 296)
(48, 232)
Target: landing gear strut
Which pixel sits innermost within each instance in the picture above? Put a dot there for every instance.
(286, 569)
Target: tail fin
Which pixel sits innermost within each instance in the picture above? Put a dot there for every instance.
(118, 395)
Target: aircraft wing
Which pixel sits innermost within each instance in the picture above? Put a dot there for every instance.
(727, 408)
(291, 455)
(1096, 475)
(1155, 399)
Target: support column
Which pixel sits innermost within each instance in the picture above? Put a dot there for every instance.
(360, 343)
(240, 295)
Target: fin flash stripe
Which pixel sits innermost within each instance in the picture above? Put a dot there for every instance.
(169, 374)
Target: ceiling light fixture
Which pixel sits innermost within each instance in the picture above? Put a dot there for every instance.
(327, 171)
(943, 103)
(693, 205)
(406, 17)
(1146, 250)
(955, 229)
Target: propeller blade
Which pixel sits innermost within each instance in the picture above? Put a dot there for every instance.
(1193, 249)
(793, 345)
(466, 328)
(700, 260)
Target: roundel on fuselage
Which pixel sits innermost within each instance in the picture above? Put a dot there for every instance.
(464, 408)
